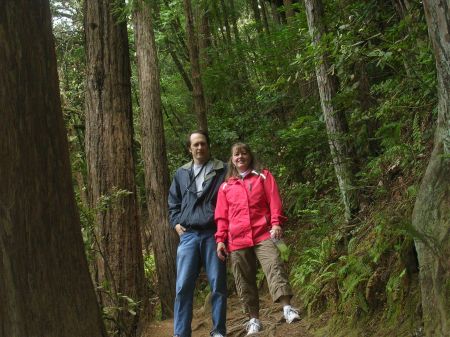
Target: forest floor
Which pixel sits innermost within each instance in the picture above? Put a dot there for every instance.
(271, 317)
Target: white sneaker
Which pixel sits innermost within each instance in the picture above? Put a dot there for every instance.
(290, 314)
(253, 326)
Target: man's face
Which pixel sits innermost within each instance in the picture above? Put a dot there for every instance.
(199, 148)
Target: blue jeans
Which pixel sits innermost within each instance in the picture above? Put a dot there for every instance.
(198, 248)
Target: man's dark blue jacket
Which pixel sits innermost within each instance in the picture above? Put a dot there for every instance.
(188, 209)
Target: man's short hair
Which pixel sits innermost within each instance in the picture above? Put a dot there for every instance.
(202, 132)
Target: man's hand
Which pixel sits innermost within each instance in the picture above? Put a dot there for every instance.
(180, 229)
(222, 252)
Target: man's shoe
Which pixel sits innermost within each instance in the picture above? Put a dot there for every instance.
(290, 314)
(253, 326)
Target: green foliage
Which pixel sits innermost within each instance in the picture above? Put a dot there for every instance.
(284, 250)
(395, 293)
(150, 269)
(118, 302)
(112, 313)
(112, 199)
(353, 274)
(88, 231)
(313, 270)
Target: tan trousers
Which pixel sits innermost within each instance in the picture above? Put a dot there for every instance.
(244, 266)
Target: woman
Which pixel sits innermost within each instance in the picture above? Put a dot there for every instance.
(248, 214)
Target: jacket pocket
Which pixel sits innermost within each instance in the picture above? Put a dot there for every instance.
(236, 231)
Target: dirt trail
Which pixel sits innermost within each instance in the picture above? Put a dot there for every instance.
(270, 315)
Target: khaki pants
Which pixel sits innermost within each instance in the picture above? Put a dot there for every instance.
(243, 264)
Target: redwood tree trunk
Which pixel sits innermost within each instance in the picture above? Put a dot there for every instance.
(109, 154)
(155, 160)
(335, 120)
(431, 216)
(45, 287)
(198, 93)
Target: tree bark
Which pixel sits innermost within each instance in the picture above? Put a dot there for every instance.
(432, 208)
(336, 123)
(45, 287)
(109, 139)
(164, 239)
(198, 93)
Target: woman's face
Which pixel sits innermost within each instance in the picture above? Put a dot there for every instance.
(241, 159)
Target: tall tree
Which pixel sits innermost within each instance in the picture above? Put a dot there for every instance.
(164, 239)
(256, 14)
(226, 21)
(288, 10)
(335, 120)
(265, 16)
(176, 60)
(45, 287)
(234, 20)
(366, 101)
(109, 154)
(198, 93)
(431, 216)
(402, 7)
(205, 41)
(276, 17)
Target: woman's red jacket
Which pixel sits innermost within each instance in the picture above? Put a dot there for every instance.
(247, 209)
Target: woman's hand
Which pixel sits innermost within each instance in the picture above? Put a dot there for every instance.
(222, 252)
(276, 232)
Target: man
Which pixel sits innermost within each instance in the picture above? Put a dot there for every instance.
(192, 199)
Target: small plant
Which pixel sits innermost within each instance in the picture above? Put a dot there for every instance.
(116, 313)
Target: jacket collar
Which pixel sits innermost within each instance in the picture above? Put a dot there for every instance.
(217, 164)
(252, 173)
